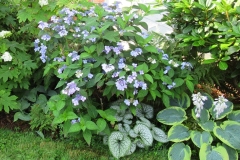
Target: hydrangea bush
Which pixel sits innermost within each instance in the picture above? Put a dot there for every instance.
(99, 54)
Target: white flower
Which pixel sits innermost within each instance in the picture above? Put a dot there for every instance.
(198, 102)
(78, 73)
(107, 67)
(6, 57)
(4, 34)
(43, 2)
(220, 105)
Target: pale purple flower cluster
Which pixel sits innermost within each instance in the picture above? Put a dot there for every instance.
(71, 88)
(59, 59)
(121, 63)
(136, 52)
(46, 37)
(74, 55)
(121, 84)
(186, 65)
(75, 121)
(128, 102)
(61, 69)
(42, 25)
(170, 86)
(42, 49)
(140, 84)
(78, 98)
(167, 69)
(107, 67)
(117, 50)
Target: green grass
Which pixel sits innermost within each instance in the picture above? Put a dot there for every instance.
(29, 146)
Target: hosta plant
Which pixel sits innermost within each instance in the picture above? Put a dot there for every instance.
(131, 132)
(213, 128)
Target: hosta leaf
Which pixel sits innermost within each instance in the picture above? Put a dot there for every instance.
(172, 115)
(179, 151)
(204, 115)
(144, 133)
(159, 135)
(207, 126)
(118, 144)
(199, 138)
(228, 133)
(232, 153)
(234, 116)
(208, 152)
(178, 133)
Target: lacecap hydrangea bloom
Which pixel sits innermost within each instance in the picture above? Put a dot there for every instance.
(43, 2)
(198, 102)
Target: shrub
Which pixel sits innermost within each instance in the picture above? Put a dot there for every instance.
(100, 54)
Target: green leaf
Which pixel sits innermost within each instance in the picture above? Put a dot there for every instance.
(190, 85)
(178, 81)
(100, 48)
(142, 93)
(148, 77)
(119, 144)
(234, 116)
(7, 101)
(144, 133)
(159, 135)
(207, 126)
(198, 138)
(208, 152)
(87, 135)
(101, 123)
(21, 116)
(172, 116)
(228, 133)
(178, 133)
(222, 65)
(179, 151)
(233, 49)
(232, 153)
(208, 61)
(76, 127)
(91, 125)
(183, 101)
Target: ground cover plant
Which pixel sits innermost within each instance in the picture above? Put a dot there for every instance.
(93, 73)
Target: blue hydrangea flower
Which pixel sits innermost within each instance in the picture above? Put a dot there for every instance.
(90, 76)
(115, 74)
(71, 88)
(135, 92)
(121, 63)
(165, 56)
(61, 69)
(92, 39)
(108, 67)
(75, 121)
(68, 20)
(63, 33)
(74, 55)
(135, 103)
(170, 86)
(54, 19)
(85, 34)
(134, 65)
(43, 25)
(136, 52)
(46, 37)
(107, 49)
(127, 102)
(116, 50)
(59, 59)
(167, 69)
(77, 29)
(186, 65)
(121, 84)
(78, 98)
(141, 72)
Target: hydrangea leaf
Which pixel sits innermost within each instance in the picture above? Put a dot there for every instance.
(179, 151)
(119, 144)
(228, 133)
(172, 116)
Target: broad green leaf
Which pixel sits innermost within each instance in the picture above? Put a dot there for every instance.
(179, 151)
(159, 135)
(228, 133)
(232, 153)
(148, 77)
(119, 144)
(190, 85)
(101, 123)
(144, 133)
(208, 152)
(172, 116)
(91, 125)
(183, 101)
(76, 127)
(22, 116)
(87, 135)
(198, 138)
(234, 116)
(222, 65)
(178, 133)
(207, 126)
(178, 81)
(204, 115)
